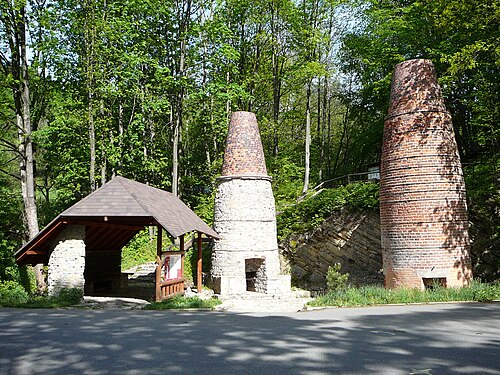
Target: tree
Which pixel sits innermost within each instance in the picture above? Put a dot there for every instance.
(15, 66)
(459, 37)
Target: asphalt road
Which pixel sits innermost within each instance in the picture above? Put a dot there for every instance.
(422, 339)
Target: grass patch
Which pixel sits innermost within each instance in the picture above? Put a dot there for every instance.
(378, 295)
(181, 302)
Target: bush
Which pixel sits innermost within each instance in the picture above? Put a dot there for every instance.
(67, 297)
(336, 280)
(191, 261)
(485, 292)
(12, 294)
(311, 212)
(70, 296)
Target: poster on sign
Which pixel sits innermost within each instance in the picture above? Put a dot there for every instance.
(171, 267)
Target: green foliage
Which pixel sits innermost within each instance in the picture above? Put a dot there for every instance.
(378, 295)
(70, 296)
(11, 229)
(119, 64)
(181, 302)
(67, 297)
(139, 250)
(312, 212)
(205, 207)
(62, 156)
(8, 268)
(12, 294)
(335, 280)
(482, 181)
(287, 180)
(191, 262)
(460, 37)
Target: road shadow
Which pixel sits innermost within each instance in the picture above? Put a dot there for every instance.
(449, 339)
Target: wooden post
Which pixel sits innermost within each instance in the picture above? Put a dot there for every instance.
(182, 263)
(198, 274)
(158, 265)
(181, 243)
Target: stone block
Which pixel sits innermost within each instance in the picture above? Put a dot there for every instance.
(278, 284)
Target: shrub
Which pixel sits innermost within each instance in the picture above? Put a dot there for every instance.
(336, 280)
(191, 261)
(70, 296)
(12, 294)
(485, 292)
(311, 212)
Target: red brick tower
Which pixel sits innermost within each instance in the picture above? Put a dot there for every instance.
(423, 210)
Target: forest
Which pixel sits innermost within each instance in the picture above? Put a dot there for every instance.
(92, 89)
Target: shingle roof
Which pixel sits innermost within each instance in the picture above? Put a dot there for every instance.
(121, 203)
(123, 197)
(111, 199)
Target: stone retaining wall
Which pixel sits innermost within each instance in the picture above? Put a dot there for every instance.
(350, 237)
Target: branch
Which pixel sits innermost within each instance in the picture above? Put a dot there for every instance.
(10, 174)
(12, 146)
(5, 63)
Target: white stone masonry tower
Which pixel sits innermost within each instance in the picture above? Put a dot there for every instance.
(246, 258)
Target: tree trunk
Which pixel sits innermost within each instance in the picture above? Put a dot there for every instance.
(323, 129)
(319, 133)
(308, 140)
(15, 29)
(89, 57)
(104, 159)
(121, 135)
(91, 143)
(175, 157)
(276, 66)
(341, 141)
(184, 17)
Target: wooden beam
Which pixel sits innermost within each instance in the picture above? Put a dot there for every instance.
(200, 265)
(173, 281)
(138, 221)
(38, 240)
(158, 265)
(35, 252)
(105, 224)
(177, 252)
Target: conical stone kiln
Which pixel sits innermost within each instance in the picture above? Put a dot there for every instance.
(246, 258)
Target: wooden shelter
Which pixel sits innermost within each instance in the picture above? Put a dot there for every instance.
(112, 216)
